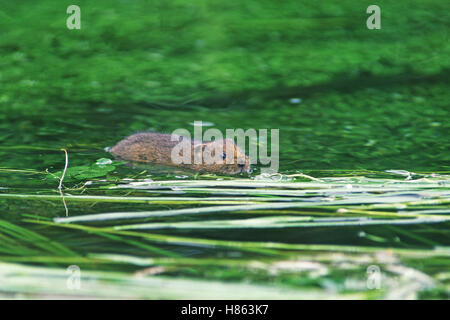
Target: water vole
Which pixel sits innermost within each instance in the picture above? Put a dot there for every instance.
(157, 148)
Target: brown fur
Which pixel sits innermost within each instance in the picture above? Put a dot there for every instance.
(156, 148)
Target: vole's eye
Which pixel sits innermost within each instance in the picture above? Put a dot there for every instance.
(224, 155)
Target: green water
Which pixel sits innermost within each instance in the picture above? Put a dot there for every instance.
(347, 101)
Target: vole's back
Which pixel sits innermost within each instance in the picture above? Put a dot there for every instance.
(145, 147)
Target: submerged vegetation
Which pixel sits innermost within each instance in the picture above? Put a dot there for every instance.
(285, 238)
(364, 150)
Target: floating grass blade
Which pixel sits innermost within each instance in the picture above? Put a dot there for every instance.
(33, 239)
(281, 222)
(203, 210)
(271, 248)
(121, 285)
(154, 200)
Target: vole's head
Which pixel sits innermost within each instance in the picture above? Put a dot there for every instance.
(222, 156)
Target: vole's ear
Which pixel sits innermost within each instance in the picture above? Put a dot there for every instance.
(176, 137)
(230, 144)
(228, 140)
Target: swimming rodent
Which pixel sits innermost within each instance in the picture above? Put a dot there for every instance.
(152, 147)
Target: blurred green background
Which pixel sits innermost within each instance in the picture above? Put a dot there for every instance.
(343, 96)
(348, 101)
